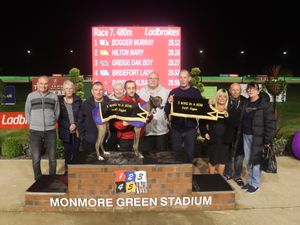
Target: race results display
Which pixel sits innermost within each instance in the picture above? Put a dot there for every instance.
(131, 53)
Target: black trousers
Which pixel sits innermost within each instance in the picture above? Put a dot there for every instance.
(126, 145)
(86, 153)
(71, 148)
(155, 143)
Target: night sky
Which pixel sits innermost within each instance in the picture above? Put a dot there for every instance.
(51, 29)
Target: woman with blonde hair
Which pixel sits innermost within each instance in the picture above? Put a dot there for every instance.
(215, 134)
(70, 105)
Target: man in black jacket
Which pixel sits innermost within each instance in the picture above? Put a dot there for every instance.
(86, 125)
(183, 130)
(235, 105)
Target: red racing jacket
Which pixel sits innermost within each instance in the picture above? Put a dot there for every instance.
(127, 132)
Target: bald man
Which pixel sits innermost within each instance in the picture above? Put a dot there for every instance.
(235, 106)
(42, 112)
(183, 130)
(156, 132)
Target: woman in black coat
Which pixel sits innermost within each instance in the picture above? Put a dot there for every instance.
(257, 130)
(70, 106)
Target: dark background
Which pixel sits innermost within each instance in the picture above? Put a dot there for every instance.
(51, 28)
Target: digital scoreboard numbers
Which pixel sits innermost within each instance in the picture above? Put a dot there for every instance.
(131, 53)
(131, 181)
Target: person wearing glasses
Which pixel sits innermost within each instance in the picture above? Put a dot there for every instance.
(257, 129)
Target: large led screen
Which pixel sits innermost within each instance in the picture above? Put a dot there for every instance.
(131, 53)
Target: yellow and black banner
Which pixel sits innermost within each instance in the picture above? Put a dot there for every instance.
(121, 110)
(196, 108)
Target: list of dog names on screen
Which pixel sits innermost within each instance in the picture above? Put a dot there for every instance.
(131, 53)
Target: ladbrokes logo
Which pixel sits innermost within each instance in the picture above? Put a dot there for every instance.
(12, 120)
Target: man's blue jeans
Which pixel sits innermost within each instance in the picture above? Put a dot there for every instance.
(38, 141)
(254, 172)
(186, 137)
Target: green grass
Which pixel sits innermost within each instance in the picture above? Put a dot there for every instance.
(289, 112)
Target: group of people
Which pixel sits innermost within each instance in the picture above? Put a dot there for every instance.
(248, 125)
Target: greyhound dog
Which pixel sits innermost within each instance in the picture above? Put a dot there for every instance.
(103, 128)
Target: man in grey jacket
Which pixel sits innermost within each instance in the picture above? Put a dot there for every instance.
(157, 131)
(42, 112)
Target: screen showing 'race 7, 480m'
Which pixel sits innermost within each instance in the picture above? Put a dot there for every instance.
(131, 53)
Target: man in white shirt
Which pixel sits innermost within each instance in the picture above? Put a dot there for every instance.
(157, 131)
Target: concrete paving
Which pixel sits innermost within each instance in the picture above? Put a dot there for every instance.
(277, 202)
